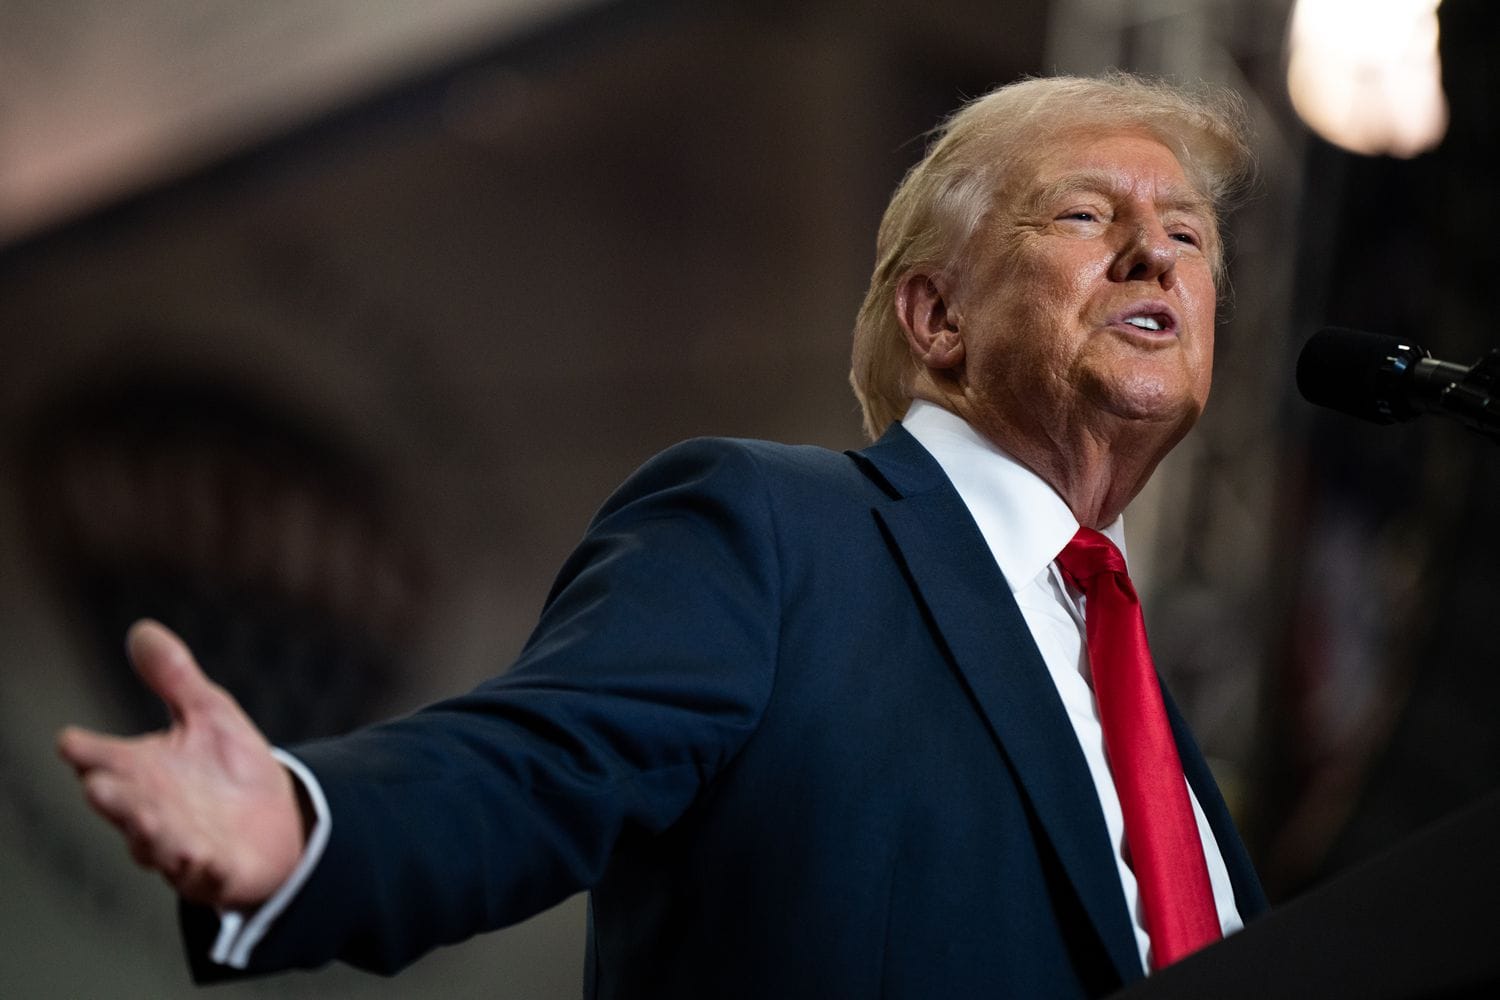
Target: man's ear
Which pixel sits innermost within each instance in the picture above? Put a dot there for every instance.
(925, 309)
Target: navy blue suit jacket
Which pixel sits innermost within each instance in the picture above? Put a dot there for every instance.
(782, 716)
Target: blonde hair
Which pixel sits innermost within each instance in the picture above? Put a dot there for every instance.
(978, 152)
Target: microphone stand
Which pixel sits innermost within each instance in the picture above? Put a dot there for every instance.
(1474, 397)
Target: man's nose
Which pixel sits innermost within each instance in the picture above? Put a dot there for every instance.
(1148, 255)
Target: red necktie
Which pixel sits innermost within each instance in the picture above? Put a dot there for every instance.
(1160, 832)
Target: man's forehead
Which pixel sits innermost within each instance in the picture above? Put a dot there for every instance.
(1168, 193)
(1105, 161)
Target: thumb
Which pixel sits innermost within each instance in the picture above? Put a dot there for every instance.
(168, 668)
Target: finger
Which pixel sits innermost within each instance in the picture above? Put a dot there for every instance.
(143, 852)
(202, 885)
(185, 869)
(86, 750)
(167, 667)
(193, 877)
(151, 848)
(109, 796)
(144, 835)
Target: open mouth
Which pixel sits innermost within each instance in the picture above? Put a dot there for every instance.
(1147, 317)
(1155, 321)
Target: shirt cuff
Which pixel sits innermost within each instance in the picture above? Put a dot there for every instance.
(240, 932)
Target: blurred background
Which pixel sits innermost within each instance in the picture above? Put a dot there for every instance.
(326, 324)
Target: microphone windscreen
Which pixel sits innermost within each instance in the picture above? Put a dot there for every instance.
(1347, 370)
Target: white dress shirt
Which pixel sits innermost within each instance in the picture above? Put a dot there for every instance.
(1026, 524)
(239, 931)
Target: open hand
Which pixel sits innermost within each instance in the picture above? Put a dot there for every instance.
(203, 802)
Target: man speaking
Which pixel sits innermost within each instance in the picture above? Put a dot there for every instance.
(881, 723)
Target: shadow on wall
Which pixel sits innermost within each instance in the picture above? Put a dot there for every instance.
(270, 550)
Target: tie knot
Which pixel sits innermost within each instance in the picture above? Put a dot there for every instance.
(1089, 554)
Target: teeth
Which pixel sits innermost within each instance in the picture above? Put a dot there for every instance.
(1144, 322)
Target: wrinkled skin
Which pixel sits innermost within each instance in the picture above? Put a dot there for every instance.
(1029, 341)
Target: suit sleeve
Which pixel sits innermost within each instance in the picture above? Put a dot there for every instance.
(649, 668)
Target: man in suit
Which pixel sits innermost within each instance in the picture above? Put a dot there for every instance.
(805, 724)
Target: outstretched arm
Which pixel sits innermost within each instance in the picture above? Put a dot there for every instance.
(203, 802)
(651, 666)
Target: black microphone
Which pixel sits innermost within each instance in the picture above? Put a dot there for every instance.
(1386, 379)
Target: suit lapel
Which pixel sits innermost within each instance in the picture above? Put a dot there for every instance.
(971, 604)
(1249, 897)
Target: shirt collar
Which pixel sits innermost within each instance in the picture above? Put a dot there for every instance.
(1023, 519)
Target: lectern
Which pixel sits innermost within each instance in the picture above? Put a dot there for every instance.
(1421, 921)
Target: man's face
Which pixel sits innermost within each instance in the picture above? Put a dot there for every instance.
(1089, 295)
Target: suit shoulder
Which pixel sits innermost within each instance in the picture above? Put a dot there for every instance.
(773, 464)
(738, 470)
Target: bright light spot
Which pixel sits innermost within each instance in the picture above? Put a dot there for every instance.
(1364, 74)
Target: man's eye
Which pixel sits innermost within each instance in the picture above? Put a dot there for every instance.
(1081, 215)
(1191, 239)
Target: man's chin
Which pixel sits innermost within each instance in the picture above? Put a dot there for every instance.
(1149, 400)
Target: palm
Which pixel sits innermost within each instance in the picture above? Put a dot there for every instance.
(203, 802)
